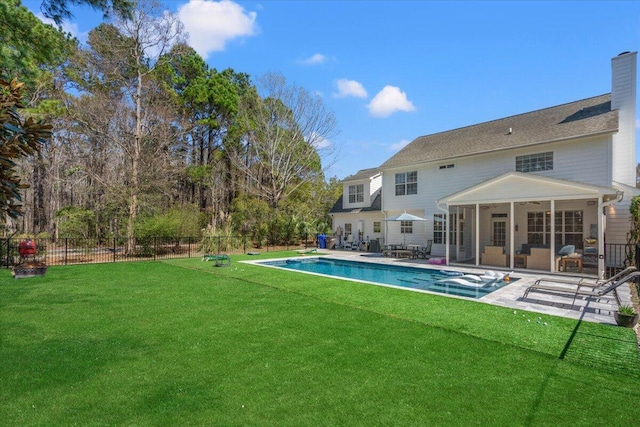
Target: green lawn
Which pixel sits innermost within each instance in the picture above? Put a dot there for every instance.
(185, 343)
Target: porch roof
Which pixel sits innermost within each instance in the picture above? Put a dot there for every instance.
(524, 187)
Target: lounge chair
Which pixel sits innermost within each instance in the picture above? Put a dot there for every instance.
(221, 260)
(307, 251)
(584, 287)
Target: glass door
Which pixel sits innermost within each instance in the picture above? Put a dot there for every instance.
(499, 232)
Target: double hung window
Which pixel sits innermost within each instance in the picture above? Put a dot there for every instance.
(406, 183)
(356, 193)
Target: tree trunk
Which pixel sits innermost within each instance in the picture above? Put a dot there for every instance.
(135, 162)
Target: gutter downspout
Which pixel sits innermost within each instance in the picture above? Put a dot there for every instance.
(384, 212)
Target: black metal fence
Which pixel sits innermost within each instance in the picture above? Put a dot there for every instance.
(79, 250)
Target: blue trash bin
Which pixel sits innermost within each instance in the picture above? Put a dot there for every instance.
(322, 241)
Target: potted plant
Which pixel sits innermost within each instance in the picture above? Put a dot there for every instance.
(626, 316)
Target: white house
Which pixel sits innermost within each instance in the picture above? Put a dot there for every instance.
(360, 208)
(512, 191)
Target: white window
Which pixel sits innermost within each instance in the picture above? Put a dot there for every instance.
(535, 162)
(406, 227)
(406, 183)
(439, 224)
(356, 193)
(569, 227)
(376, 226)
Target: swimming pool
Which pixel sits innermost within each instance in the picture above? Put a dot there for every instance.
(425, 279)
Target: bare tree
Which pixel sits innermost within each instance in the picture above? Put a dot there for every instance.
(287, 138)
(149, 34)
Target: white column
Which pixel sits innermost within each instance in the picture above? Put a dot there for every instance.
(457, 231)
(447, 219)
(477, 243)
(602, 225)
(512, 238)
(552, 244)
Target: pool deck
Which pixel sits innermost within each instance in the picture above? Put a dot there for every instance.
(598, 310)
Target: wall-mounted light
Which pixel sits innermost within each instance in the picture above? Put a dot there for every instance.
(516, 227)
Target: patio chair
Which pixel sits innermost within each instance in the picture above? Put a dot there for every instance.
(348, 244)
(584, 287)
(539, 259)
(425, 252)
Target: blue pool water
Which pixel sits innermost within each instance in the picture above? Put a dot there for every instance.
(440, 280)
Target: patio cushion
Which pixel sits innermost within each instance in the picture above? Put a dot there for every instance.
(539, 259)
(494, 255)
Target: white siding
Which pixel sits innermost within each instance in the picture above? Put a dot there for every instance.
(618, 221)
(366, 200)
(583, 164)
(376, 183)
(363, 219)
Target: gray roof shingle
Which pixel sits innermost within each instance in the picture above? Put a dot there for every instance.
(591, 116)
(376, 206)
(363, 174)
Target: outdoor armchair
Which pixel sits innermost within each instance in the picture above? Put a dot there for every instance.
(494, 255)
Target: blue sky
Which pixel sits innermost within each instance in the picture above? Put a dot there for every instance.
(392, 71)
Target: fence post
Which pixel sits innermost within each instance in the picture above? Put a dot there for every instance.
(114, 249)
(189, 247)
(66, 247)
(7, 253)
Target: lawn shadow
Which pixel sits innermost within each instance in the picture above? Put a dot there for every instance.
(612, 349)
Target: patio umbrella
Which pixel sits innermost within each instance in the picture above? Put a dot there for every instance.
(406, 217)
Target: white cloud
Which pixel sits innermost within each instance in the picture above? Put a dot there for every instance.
(399, 145)
(211, 24)
(389, 100)
(318, 142)
(350, 88)
(315, 59)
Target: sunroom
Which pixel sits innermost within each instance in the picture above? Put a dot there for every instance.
(520, 220)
